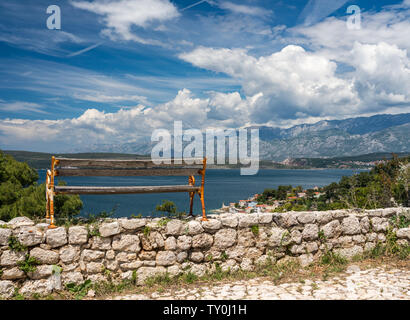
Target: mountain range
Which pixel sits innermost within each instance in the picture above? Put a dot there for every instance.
(323, 139)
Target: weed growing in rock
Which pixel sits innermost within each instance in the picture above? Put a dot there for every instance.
(224, 256)
(189, 277)
(17, 295)
(218, 274)
(163, 222)
(400, 221)
(146, 231)
(79, 290)
(15, 245)
(321, 236)
(335, 261)
(390, 248)
(93, 231)
(285, 237)
(255, 230)
(134, 276)
(28, 264)
(163, 279)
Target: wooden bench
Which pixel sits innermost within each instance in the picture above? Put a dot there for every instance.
(111, 168)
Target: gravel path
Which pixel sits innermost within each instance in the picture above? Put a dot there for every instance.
(376, 283)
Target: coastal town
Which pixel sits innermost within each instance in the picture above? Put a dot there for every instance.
(254, 205)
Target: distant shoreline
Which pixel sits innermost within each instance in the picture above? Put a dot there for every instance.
(41, 161)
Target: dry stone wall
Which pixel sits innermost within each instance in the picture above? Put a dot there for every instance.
(120, 249)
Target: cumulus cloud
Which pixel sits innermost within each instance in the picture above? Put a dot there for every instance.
(120, 16)
(382, 73)
(132, 125)
(292, 81)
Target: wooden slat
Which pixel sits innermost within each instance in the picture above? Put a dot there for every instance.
(128, 172)
(124, 189)
(107, 163)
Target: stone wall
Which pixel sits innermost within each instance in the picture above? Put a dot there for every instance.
(119, 249)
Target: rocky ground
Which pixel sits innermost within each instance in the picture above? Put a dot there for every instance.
(379, 283)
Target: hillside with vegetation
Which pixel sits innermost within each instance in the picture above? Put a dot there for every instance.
(386, 185)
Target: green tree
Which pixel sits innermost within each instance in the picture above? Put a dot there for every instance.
(282, 192)
(21, 195)
(167, 206)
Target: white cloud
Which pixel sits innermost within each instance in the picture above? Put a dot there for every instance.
(92, 126)
(99, 127)
(134, 124)
(244, 9)
(120, 16)
(99, 97)
(42, 41)
(334, 40)
(382, 73)
(315, 10)
(22, 107)
(292, 80)
(60, 80)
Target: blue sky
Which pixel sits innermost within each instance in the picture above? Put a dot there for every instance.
(118, 69)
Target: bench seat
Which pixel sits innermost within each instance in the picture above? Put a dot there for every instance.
(124, 189)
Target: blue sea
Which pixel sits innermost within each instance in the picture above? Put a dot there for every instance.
(221, 186)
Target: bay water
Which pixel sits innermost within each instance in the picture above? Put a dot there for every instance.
(221, 186)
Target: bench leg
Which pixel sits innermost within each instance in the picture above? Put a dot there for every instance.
(191, 202)
(204, 218)
(52, 225)
(47, 208)
(191, 182)
(48, 173)
(50, 192)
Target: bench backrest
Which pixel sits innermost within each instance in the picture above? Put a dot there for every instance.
(105, 167)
